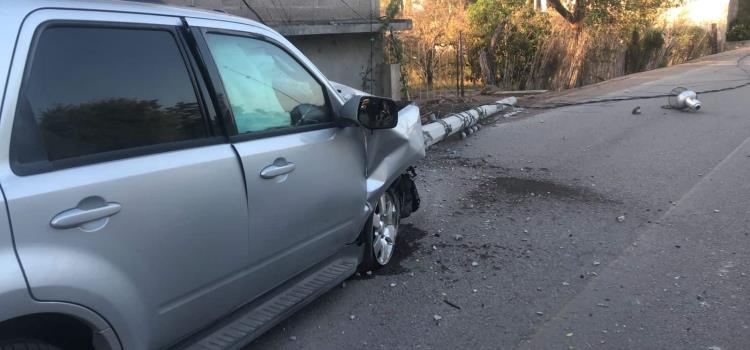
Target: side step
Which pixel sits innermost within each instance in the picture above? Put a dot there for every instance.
(257, 318)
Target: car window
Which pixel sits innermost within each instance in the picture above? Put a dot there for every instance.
(266, 87)
(91, 90)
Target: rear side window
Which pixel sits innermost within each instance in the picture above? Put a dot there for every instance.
(93, 90)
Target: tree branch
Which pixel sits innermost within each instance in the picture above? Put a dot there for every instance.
(573, 17)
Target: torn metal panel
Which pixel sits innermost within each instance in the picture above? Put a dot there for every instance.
(390, 152)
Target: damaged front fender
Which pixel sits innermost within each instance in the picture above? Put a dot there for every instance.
(391, 152)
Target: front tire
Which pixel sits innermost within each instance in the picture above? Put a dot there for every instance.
(381, 231)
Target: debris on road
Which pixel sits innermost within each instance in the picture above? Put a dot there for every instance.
(596, 263)
(437, 318)
(393, 284)
(474, 263)
(539, 313)
(458, 237)
(621, 218)
(637, 110)
(451, 304)
(683, 99)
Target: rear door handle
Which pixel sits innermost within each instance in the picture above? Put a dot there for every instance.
(275, 170)
(76, 217)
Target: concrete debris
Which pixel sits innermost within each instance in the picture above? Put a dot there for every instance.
(716, 210)
(621, 218)
(596, 263)
(539, 313)
(474, 263)
(437, 317)
(393, 284)
(352, 317)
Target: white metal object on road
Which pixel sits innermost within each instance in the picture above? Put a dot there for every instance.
(464, 122)
(682, 98)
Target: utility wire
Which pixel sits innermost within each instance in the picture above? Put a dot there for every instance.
(355, 11)
(281, 8)
(648, 97)
(260, 19)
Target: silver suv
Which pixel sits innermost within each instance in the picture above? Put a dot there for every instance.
(179, 178)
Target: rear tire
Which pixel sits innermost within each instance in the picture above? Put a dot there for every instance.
(381, 231)
(26, 344)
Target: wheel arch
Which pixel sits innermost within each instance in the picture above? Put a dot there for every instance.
(63, 329)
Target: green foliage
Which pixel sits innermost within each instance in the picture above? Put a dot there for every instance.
(518, 30)
(623, 13)
(394, 45)
(642, 48)
(484, 16)
(738, 31)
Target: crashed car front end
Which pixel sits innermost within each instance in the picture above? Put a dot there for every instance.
(392, 153)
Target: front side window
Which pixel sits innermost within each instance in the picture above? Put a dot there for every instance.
(91, 90)
(266, 87)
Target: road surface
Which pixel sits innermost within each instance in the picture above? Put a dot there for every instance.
(518, 243)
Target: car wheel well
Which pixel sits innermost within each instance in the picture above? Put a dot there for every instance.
(64, 331)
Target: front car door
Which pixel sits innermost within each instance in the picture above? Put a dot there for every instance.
(120, 196)
(305, 177)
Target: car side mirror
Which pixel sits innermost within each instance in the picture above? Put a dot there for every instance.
(370, 112)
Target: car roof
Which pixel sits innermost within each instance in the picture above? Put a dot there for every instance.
(140, 7)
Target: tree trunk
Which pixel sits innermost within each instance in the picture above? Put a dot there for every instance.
(487, 57)
(574, 17)
(486, 65)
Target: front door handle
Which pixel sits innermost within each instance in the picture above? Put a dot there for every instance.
(275, 170)
(76, 217)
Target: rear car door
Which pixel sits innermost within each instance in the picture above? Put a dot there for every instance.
(120, 196)
(305, 177)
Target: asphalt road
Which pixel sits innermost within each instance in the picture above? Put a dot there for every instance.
(542, 262)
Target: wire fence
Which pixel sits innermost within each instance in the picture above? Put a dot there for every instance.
(436, 71)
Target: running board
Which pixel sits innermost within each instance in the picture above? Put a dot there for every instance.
(261, 316)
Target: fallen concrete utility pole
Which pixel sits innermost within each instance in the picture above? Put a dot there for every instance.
(463, 122)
